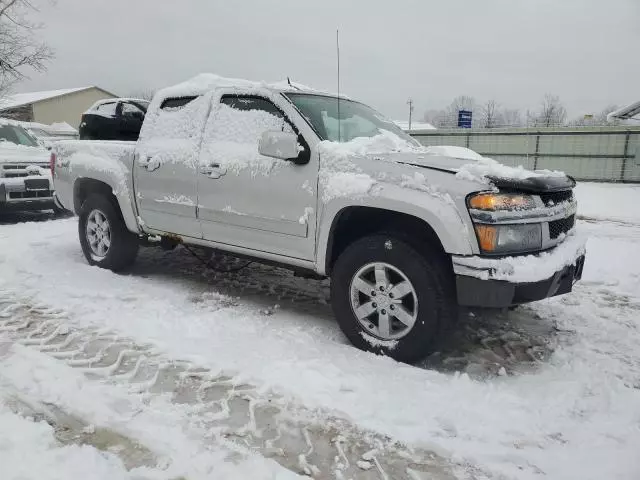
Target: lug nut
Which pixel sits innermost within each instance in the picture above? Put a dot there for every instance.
(374, 305)
(390, 295)
(381, 288)
(392, 307)
(373, 293)
(384, 312)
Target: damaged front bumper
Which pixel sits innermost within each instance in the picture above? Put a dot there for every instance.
(503, 282)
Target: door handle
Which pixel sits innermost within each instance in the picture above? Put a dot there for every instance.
(147, 163)
(213, 171)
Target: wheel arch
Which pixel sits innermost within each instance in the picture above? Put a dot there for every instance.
(83, 187)
(351, 222)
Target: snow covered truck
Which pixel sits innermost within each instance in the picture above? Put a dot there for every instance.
(327, 187)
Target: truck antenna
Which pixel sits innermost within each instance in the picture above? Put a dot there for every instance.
(338, 58)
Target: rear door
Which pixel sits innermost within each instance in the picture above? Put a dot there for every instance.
(166, 163)
(249, 200)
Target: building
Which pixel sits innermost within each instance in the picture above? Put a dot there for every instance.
(53, 106)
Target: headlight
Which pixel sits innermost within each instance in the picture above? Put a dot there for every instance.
(501, 201)
(516, 238)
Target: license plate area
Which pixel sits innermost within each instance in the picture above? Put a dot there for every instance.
(36, 184)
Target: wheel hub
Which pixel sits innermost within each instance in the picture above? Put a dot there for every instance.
(384, 301)
(98, 234)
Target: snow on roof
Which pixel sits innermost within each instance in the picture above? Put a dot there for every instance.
(404, 125)
(205, 82)
(625, 113)
(115, 99)
(20, 99)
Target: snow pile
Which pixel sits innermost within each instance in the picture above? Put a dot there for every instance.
(483, 168)
(231, 140)
(608, 201)
(341, 177)
(529, 268)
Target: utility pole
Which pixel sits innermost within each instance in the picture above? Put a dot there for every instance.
(410, 103)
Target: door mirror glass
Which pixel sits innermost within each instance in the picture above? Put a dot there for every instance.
(282, 145)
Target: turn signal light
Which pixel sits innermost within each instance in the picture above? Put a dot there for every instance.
(501, 201)
(487, 237)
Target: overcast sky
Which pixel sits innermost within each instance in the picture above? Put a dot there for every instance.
(513, 51)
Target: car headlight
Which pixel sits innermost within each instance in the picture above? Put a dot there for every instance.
(513, 238)
(501, 201)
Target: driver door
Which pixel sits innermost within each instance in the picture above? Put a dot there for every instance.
(247, 199)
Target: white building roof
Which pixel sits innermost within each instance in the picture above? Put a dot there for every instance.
(20, 99)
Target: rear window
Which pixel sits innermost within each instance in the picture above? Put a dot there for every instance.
(176, 103)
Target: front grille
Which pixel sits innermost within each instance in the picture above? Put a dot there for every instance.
(553, 198)
(558, 227)
(30, 194)
(18, 170)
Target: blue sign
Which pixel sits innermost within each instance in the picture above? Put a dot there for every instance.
(464, 118)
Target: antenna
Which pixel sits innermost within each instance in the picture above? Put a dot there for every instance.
(289, 81)
(410, 103)
(338, 56)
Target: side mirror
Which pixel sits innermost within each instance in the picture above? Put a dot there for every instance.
(280, 145)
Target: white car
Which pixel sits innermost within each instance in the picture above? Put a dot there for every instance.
(25, 174)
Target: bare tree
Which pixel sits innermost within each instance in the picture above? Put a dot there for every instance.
(491, 115)
(511, 117)
(552, 112)
(20, 50)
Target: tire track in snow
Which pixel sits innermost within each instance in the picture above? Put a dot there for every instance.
(308, 442)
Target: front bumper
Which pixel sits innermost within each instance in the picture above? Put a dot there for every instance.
(26, 193)
(503, 282)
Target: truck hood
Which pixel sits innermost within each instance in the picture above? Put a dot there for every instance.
(12, 153)
(485, 171)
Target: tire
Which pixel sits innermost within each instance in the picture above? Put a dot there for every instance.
(123, 245)
(431, 302)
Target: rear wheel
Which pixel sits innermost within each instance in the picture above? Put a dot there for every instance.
(393, 297)
(106, 242)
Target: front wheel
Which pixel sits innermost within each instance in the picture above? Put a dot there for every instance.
(392, 298)
(106, 242)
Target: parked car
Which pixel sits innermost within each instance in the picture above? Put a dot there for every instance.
(114, 119)
(25, 175)
(48, 134)
(327, 187)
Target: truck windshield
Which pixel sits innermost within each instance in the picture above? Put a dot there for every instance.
(354, 120)
(17, 135)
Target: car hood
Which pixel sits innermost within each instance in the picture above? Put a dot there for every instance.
(485, 171)
(11, 153)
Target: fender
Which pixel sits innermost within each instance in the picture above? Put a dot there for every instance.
(438, 211)
(115, 174)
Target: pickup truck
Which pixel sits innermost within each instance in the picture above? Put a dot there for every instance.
(327, 187)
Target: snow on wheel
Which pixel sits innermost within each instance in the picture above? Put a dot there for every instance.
(104, 237)
(392, 298)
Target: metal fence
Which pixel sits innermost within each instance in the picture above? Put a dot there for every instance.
(609, 154)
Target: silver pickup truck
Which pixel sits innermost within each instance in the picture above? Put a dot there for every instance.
(327, 187)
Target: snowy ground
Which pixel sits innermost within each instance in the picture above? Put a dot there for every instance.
(173, 372)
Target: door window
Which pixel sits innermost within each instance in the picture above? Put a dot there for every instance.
(107, 109)
(132, 111)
